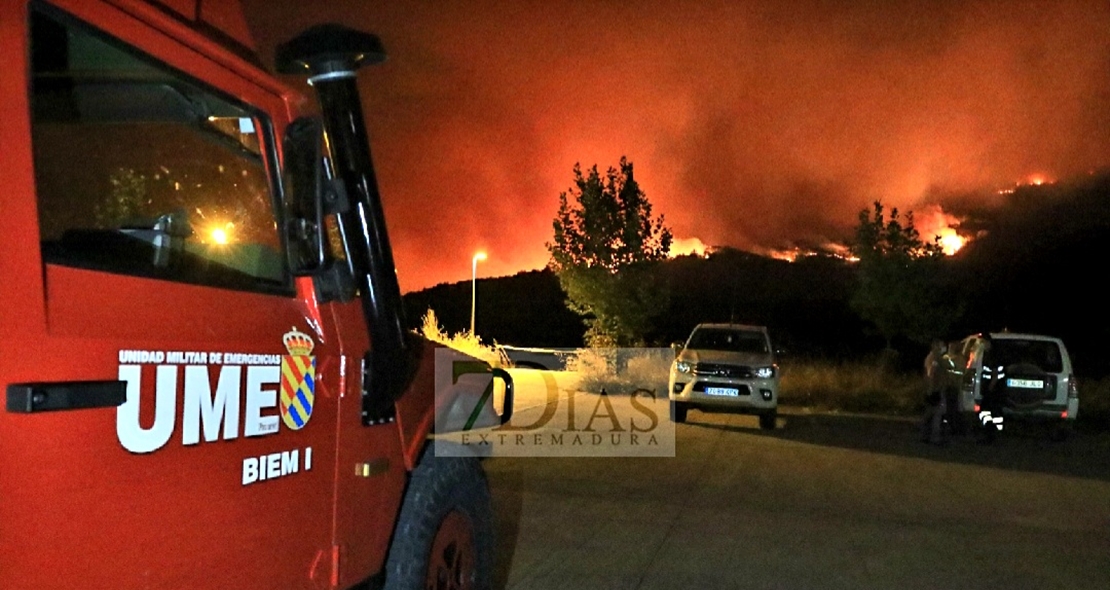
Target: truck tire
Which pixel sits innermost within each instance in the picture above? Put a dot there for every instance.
(444, 534)
(767, 421)
(678, 412)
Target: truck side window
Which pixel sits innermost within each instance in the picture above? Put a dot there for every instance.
(143, 171)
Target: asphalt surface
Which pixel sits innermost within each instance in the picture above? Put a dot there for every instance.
(824, 501)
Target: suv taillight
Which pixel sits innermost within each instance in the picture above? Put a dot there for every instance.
(1073, 387)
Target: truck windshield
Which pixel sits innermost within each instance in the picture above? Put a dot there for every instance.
(141, 170)
(728, 340)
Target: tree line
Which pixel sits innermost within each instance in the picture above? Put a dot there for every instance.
(607, 249)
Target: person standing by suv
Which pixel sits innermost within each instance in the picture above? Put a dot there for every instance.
(938, 366)
(993, 396)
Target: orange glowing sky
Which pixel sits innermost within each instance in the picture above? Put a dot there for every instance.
(758, 125)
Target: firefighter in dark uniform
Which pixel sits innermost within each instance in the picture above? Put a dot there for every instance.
(992, 393)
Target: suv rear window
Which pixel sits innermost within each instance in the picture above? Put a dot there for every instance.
(1042, 353)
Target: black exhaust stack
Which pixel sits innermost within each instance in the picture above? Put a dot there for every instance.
(330, 56)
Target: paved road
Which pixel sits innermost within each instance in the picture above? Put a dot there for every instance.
(826, 501)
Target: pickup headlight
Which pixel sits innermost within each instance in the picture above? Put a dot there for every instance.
(683, 367)
(765, 372)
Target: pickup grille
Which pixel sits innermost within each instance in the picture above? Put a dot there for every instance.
(725, 371)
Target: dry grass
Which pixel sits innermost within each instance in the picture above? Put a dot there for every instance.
(871, 387)
(464, 342)
(860, 386)
(622, 370)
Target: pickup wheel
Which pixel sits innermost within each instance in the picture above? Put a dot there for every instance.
(444, 534)
(678, 412)
(767, 421)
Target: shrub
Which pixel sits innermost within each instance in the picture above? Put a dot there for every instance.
(622, 370)
(464, 342)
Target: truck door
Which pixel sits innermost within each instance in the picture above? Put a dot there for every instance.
(371, 473)
(152, 268)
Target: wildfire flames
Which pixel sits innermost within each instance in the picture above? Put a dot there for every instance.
(952, 243)
(933, 223)
(688, 247)
(1032, 180)
(830, 249)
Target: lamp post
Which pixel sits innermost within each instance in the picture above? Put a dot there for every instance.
(474, 286)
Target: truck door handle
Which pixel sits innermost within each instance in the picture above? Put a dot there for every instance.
(29, 398)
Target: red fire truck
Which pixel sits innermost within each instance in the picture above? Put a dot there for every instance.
(208, 379)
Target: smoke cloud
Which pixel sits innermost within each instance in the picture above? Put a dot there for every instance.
(758, 125)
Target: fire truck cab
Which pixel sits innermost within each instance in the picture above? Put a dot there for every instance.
(208, 379)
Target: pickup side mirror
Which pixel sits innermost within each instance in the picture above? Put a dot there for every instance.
(305, 179)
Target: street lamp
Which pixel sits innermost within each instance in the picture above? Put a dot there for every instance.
(474, 286)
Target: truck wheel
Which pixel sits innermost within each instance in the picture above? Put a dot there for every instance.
(678, 412)
(767, 421)
(444, 534)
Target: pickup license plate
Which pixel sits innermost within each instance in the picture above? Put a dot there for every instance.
(726, 391)
(1025, 383)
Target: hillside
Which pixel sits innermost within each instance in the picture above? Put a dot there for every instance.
(1035, 266)
(525, 309)
(803, 303)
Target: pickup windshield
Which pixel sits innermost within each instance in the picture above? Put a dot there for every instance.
(728, 340)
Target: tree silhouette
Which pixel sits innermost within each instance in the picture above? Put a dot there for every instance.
(605, 244)
(900, 287)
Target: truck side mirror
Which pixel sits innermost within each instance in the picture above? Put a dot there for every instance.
(305, 179)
